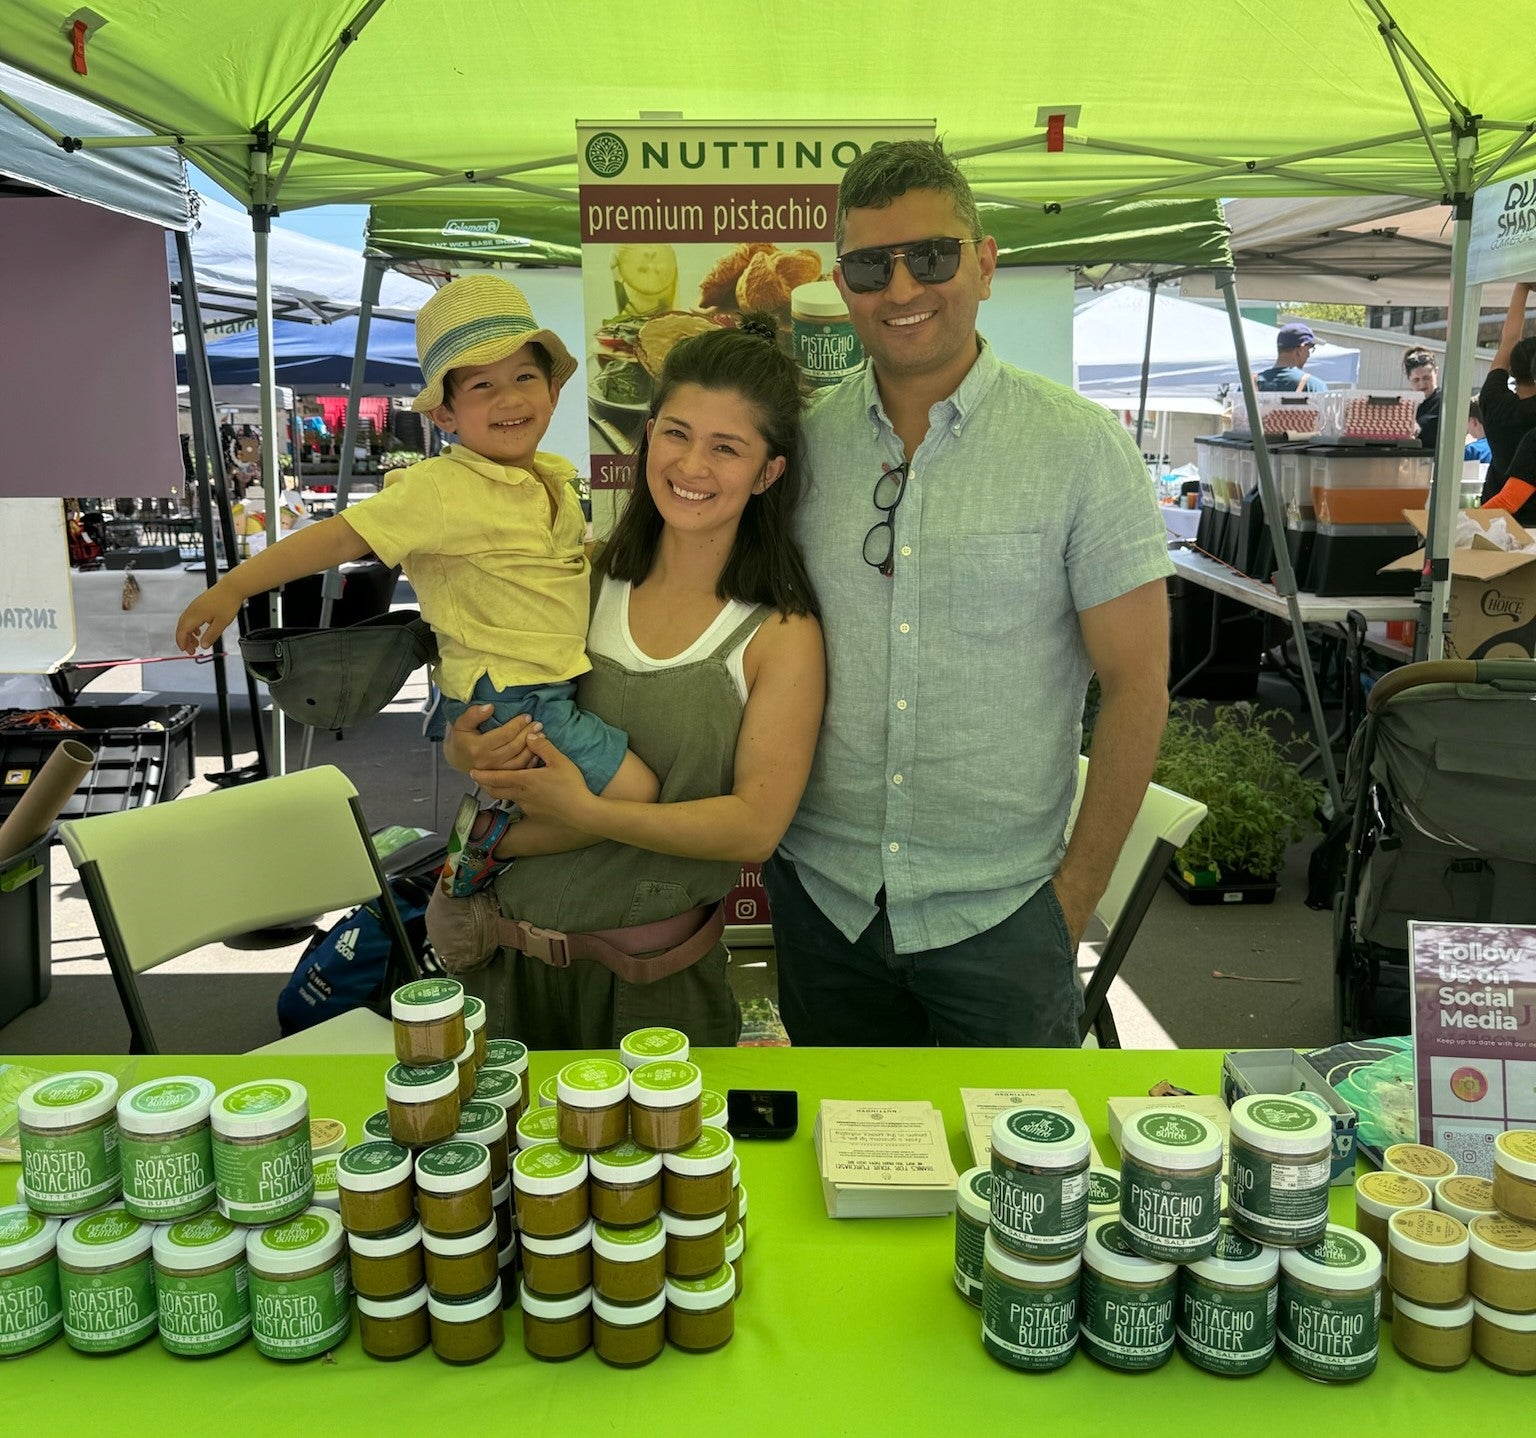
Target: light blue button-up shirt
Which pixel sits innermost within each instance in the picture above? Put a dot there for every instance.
(948, 752)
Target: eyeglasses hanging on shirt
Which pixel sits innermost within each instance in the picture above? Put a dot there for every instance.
(880, 542)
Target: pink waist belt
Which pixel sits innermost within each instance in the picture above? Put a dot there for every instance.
(638, 954)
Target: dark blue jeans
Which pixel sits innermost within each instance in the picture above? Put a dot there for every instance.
(1013, 986)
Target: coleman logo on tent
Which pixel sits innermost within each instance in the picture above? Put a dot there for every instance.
(471, 227)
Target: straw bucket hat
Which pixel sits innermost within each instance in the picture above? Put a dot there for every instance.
(478, 320)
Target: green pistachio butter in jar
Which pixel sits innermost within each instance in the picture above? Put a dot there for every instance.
(1126, 1312)
(69, 1143)
(1279, 1162)
(1039, 1182)
(555, 1329)
(592, 1096)
(549, 1190)
(262, 1166)
(701, 1312)
(625, 1184)
(376, 1181)
(474, 1026)
(467, 1330)
(643, 1046)
(1427, 1257)
(1330, 1306)
(301, 1295)
(1377, 1197)
(1029, 1308)
(462, 1267)
(453, 1187)
(538, 1125)
(1227, 1303)
(503, 1088)
(626, 1335)
(464, 1065)
(695, 1246)
(1430, 1337)
(423, 1103)
(165, 1148)
(31, 1307)
(556, 1267)
(1170, 1172)
(1514, 1173)
(107, 1280)
(1506, 1341)
(629, 1265)
(696, 1181)
(386, 1266)
(428, 1017)
(394, 1327)
(1502, 1270)
(483, 1122)
(664, 1104)
(973, 1215)
(202, 1285)
(509, 1057)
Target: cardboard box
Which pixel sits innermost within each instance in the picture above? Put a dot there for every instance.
(1249, 1071)
(1493, 591)
(982, 1105)
(1209, 1107)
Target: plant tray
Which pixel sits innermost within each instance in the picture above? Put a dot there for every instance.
(1239, 889)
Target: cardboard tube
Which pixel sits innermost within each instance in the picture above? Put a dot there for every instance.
(45, 797)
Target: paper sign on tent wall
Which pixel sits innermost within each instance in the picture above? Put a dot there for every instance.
(85, 354)
(1504, 231)
(37, 608)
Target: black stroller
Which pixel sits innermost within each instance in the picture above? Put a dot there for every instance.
(1441, 789)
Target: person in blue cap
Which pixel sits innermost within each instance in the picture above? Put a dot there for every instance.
(1293, 348)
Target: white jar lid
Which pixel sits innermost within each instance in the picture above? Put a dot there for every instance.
(1237, 1260)
(1514, 1322)
(592, 1083)
(1504, 1242)
(498, 1086)
(629, 1315)
(538, 1125)
(425, 1001)
(711, 1152)
(629, 1245)
(474, 1013)
(1383, 1194)
(712, 1108)
(735, 1244)
(1515, 1152)
(165, 1105)
(453, 1167)
(506, 1054)
(642, 1045)
(1104, 1190)
(206, 1241)
(376, 1125)
(699, 1295)
(103, 1239)
(552, 1310)
(548, 1168)
(1171, 1138)
(406, 1083)
(502, 1193)
(296, 1244)
(741, 1201)
(482, 1121)
(1281, 1125)
(1465, 1196)
(25, 1236)
(1029, 1270)
(818, 298)
(1040, 1137)
(1341, 1259)
(462, 1245)
(1420, 1160)
(467, 1053)
(65, 1100)
(393, 1307)
(1106, 1251)
(549, 1090)
(387, 1245)
(468, 1310)
(973, 1194)
(559, 1247)
(624, 1163)
(1428, 1236)
(1458, 1315)
(326, 1188)
(679, 1227)
(665, 1083)
(259, 1108)
(373, 1166)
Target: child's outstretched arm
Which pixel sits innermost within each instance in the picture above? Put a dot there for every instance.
(312, 550)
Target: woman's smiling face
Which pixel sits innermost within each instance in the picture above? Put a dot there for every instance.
(706, 458)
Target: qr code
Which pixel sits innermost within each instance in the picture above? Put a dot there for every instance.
(1469, 1142)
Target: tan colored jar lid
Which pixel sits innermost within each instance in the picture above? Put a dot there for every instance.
(1383, 1194)
(1420, 1160)
(1505, 1242)
(1515, 1152)
(1428, 1236)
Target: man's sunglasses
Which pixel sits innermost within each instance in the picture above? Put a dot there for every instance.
(929, 262)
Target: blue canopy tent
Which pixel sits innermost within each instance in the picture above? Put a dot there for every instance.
(314, 358)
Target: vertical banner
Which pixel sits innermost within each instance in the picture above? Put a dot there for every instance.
(37, 608)
(1503, 231)
(686, 224)
(1474, 1035)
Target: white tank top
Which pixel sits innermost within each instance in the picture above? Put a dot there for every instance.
(609, 635)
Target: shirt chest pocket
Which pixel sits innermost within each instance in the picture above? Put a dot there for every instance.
(993, 582)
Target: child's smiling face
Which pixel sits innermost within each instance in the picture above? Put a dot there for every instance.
(501, 410)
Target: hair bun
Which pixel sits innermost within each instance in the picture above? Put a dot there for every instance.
(760, 325)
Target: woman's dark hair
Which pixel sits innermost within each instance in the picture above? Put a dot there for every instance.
(1417, 359)
(1522, 361)
(765, 565)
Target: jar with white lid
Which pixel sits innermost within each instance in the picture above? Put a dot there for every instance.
(696, 1180)
(394, 1328)
(1170, 1172)
(1428, 1257)
(376, 1181)
(107, 1281)
(695, 1246)
(69, 1143)
(627, 1335)
(1103, 1193)
(592, 1095)
(973, 1215)
(549, 1189)
(301, 1293)
(464, 1066)
(1126, 1309)
(1039, 1182)
(453, 1187)
(1514, 1173)
(629, 1265)
(165, 1148)
(549, 1092)
(1029, 1308)
(1419, 1160)
(1280, 1156)
(386, 1265)
(1377, 1197)
(1506, 1341)
(701, 1311)
(736, 1252)
(428, 1019)
(1227, 1303)
(1431, 1337)
(508, 1056)
(1330, 1306)
(643, 1046)
(556, 1267)
(625, 1184)
(1502, 1267)
(467, 1330)
(664, 1104)
(474, 1026)
(423, 1103)
(538, 1125)
(555, 1329)
(31, 1307)
(462, 1267)
(712, 1108)
(202, 1285)
(262, 1166)
(1465, 1196)
(327, 1192)
(503, 1088)
(484, 1122)
(376, 1125)
(328, 1136)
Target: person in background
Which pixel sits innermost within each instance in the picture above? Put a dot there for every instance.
(1477, 436)
(1424, 376)
(1508, 396)
(1294, 344)
(1518, 492)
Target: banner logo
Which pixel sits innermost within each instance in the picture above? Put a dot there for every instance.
(607, 154)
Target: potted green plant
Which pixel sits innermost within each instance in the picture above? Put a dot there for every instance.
(1238, 765)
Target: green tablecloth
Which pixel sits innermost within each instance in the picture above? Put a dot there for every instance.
(847, 1327)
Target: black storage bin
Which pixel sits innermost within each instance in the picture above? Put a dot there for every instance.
(26, 930)
(1300, 538)
(1234, 672)
(1346, 558)
(1253, 549)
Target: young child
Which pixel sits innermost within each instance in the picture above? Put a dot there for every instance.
(490, 535)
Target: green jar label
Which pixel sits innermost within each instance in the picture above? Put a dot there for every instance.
(66, 1173)
(1103, 1189)
(167, 1178)
(1336, 1250)
(711, 1143)
(17, 1226)
(491, 1084)
(448, 1160)
(664, 1075)
(1278, 1201)
(376, 1157)
(1222, 1330)
(167, 1097)
(827, 350)
(303, 1232)
(970, 1250)
(593, 1075)
(31, 1310)
(205, 1313)
(1127, 1326)
(68, 1091)
(1171, 1130)
(200, 1232)
(654, 1043)
(505, 1054)
(541, 1125)
(409, 1076)
(1030, 1328)
(1039, 1125)
(477, 1117)
(622, 1155)
(376, 1125)
(107, 1311)
(1174, 1217)
(301, 1317)
(549, 1160)
(266, 1181)
(711, 1104)
(255, 1099)
(427, 991)
(1330, 1338)
(642, 1233)
(1232, 1247)
(1040, 1215)
(1283, 1115)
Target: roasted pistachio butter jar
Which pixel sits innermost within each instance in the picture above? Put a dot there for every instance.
(386, 1266)
(1039, 1182)
(973, 1215)
(1029, 1308)
(484, 1122)
(31, 1307)
(697, 1181)
(107, 1279)
(629, 1334)
(165, 1148)
(262, 1166)
(301, 1291)
(555, 1267)
(1330, 1306)
(462, 1267)
(1170, 1172)
(643, 1046)
(592, 1096)
(202, 1285)
(1430, 1337)
(453, 1187)
(1514, 1173)
(69, 1143)
(712, 1108)
(1227, 1303)
(695, 1246)
(664, 1104)
(625, 1185)
(1126, 1311)
(394, 1327)
(701, 1312)
(467, 1330)
(629, 1265)
(428, 1016)
(1279, 1160)
(555, 1329)
(509, 1054)
(376, 1183)
(1506, 1341)
(549, 1189)
(508, 1058)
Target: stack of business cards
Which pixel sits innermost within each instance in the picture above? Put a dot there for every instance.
(884, 1160)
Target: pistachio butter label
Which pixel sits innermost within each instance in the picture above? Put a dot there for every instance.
(263, 1182)
(1398, 1190)
(1280, 1200)
(1029, 1328)
(1520, 1144)
(593, 1075)
(1039, 1125)
(256, 1099)
(541, 1125)
(18, 1226)
(206, 1313)
(1468, 1192)
(451, 1159)
(1419, 1160)
(1172, 1130)
(1174, 1218)
(165, 1179)
(492, 1084)
(107, 1311)
(549, 1091)
(970, 1253)
(68, 1091)
(422, 992)
(1224, 1331)
(31, 1309)
(303, 1232)
(301, 1317)
(1233, 1247)
(200, 1232)
(325, 1173)
(664, 1076)
(643, 1233)
(826, 350)
(711, 1104)
(409, 1076)
(1103, 1189)
(1506, 1233)
(655, 1043)
(1330, 1338)
(623, 1155)
(1282, 1115)
(373, 1158)
(65, 1173)
(1336, 1250)
(164, 1098)
(474, 1009)
(548, 1160)
(102, 1229)
(712, 1143)
(376, 1125)
(1424, 1225)
(1126, 1326)
(478, 1117)
(1041, 1215)
(505, 1054)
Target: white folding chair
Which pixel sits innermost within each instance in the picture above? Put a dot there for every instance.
(166, 879)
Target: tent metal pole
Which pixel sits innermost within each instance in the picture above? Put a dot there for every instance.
(141, 142)
(1397, 41)
(320, 76)
(1146, 359)
(1285, 573)
(1508, 155)
(1389, 36)
(35, 121)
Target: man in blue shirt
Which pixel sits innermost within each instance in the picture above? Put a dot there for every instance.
(1294, 344)
(982, 540)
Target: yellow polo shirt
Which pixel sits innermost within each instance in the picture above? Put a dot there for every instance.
(495, 556)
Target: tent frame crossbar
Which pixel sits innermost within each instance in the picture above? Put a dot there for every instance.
(1395, 47)
(1527, 134)
(319, 75)
(1401, 46)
